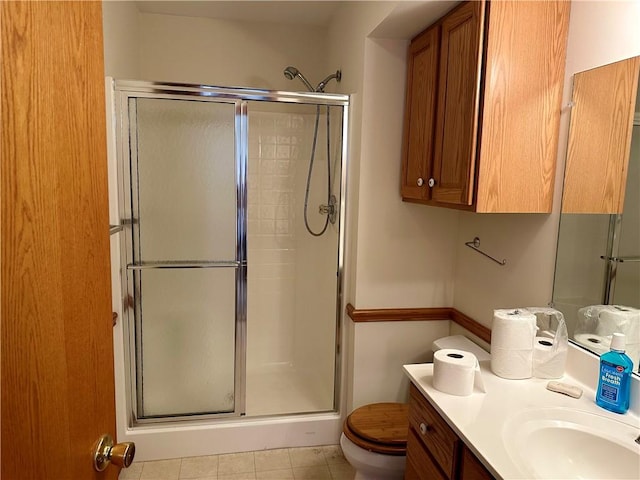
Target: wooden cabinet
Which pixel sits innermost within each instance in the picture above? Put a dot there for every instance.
(420, 107)
(604, 101)
(484, 137)
(434, 451)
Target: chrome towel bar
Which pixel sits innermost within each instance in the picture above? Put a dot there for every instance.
(475, 245)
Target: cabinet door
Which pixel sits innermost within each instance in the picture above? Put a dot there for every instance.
(600, 138)
(471, 468)
(420, 464)
(420, 109)
(458, 99)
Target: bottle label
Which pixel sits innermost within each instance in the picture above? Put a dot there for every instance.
(611, 381)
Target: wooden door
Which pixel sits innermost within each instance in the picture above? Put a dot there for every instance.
(57, 352)
(420, 110)
(458, 103)
(600, 138)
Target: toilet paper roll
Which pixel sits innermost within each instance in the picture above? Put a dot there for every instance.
(456, 372)
(512, 364)
(596, 343)
(549, 358)
(621, 319)
(512, 336)
(513, 329)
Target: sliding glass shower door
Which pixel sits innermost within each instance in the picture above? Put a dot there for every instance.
(186, 271)
(210, 179)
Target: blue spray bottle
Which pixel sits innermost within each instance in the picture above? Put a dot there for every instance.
(614, 383)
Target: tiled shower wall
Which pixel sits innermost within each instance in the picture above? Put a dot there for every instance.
(274, 149)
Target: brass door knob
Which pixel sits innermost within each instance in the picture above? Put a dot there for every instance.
(120, 454)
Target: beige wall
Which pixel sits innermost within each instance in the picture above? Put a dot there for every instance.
(120, 26)
(229, 53)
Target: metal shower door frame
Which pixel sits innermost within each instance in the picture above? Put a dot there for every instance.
(123, 92)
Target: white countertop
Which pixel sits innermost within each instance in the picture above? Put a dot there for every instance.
(478, 419)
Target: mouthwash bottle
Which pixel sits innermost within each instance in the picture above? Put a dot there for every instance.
(614, 383)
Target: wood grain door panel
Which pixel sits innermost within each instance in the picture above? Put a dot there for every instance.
(600, 138)
(57, 351)
(420, 110)
(524, 76)
(457, 119)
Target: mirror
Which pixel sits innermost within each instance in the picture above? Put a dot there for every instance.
(597, 275)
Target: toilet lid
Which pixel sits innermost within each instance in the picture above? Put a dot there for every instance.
(380, 427)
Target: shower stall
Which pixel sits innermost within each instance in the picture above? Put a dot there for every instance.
(231, 205)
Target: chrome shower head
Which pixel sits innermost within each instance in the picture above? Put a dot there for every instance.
(293, 72)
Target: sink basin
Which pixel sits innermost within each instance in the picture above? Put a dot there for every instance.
(564, 443)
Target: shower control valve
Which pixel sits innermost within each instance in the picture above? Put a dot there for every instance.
(330, 210)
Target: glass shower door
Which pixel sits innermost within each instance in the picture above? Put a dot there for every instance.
(186, 265)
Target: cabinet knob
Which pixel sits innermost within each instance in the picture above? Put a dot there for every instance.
(424, 428)
(420, 182)
(432, 182)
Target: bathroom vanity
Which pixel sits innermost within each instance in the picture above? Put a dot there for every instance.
(516, 430)
(434, 451)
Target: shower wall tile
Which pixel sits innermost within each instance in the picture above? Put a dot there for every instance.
(274, 140)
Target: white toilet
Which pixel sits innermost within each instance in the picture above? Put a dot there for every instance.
(374, 441)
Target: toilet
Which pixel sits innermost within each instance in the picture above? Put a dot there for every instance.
(374, 437)
(374, 440)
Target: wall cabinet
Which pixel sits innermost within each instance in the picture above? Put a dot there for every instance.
(434, 451)
(482, 111)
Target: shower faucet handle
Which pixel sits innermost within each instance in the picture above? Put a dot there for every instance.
(326, 209)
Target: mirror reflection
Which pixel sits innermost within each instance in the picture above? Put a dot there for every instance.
(597, 277)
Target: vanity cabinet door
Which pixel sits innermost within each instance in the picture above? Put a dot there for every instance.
(471, 468)
(420, 110)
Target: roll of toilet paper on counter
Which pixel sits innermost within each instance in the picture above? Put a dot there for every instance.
(549, 358)
(596, 343)
(456, 372)
(513, 329)
(512, 341)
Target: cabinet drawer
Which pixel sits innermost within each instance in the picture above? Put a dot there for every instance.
(420, 465)
(433, 431)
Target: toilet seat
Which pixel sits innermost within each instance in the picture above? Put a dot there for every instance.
(379, 427)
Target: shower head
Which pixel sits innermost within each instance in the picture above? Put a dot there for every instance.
(323, 83)
(293, 72)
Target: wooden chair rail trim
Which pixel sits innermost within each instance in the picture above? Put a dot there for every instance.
(415, 314)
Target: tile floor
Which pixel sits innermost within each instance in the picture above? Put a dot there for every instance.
(307, 463)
